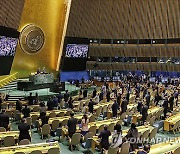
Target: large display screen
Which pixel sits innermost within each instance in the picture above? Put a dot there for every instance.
(76, 51)
(7, 46)
(8, 42)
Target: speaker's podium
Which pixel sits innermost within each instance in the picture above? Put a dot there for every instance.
(36, 81)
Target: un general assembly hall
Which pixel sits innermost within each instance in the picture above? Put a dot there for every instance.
(89, 76)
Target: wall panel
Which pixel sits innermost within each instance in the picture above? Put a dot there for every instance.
(129, 19)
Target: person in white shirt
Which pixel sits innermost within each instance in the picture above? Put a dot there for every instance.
(96, 98)
(117, 136)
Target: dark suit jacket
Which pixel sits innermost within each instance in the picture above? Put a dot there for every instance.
(91, 106)
(66, 97)
(26, 112)
(50, 105)
(171, 100)
(94, 93)
(139, 107)
(145, 111)
(118, 99)
(24, 131)
(124, 106)
(165, 105)
(115, 107)
(85, 93)
(4, 120)
(72, 122)
(30, 100)
(104, 135)
(108, 96)
(101, 96)
(148, 97)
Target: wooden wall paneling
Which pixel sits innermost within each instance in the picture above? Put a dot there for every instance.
(157, 29)
(137, 25)
(133, 20)
(143, 16)
(125, 19)
(114, 16)
(177, 51)
(177, 17)
(10, 13)
(173, 15)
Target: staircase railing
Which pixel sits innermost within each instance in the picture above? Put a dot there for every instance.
(8, 79)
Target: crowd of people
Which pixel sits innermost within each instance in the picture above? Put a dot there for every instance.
(119, 93)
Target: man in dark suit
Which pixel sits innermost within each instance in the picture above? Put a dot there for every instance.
(144, 113)
(157, 98)
(24, 131)
(148, 98)
(104, 135)
(55, 102)
(115, 107)
(108, 96)
(127, 96)
(66, 96)
(91, 106)
(165, 106)
(30, 99)
(94, 93)
(85, 92)
(72, 122)
(119, 99)
(171, 102)
(101, 96)
(50, 104)
(124, 105)
(60, 97)
(139, 106)
(26, 111)
(4, 120)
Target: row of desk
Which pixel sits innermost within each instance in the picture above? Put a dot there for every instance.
(165, 147)
(151, 111)
(171, 121)
(141, 130)
(44, 147)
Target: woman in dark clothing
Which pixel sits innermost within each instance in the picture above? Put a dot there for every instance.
(24, 131)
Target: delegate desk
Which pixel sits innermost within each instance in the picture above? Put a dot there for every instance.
(103, 122)
(141, 129)
(77, 116)
(171, 121)
(48, 112)
(15, 134)
(152, 110)
(44, 147)
(97, 124)
(165, 147)
(130, 107)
